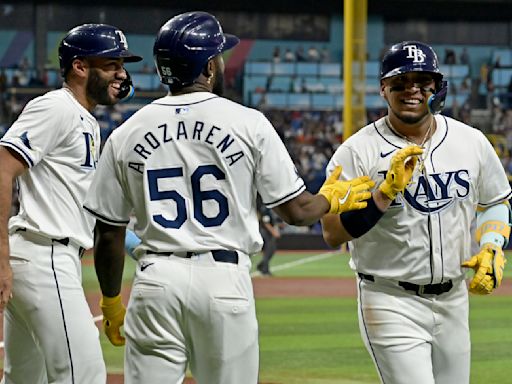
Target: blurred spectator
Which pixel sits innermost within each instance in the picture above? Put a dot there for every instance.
(508, 96)
(276, 55)
(299, 54)
(325, 55)
(465, 85)
(289, 56)
(497, 62)
(20, 78)
(3, 81)
(450, 57)
(313, 54)
(147, 69)
(464, 56)
(24, 64)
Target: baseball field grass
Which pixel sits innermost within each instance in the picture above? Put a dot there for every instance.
(315, 340)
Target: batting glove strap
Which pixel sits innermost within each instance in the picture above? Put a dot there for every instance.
(113, 318)
(488, 265)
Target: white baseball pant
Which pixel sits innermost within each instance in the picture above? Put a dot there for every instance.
(50, 336)
(191, 310)
(415, 339)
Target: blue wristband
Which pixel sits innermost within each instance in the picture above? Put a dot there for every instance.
(357, 223)
(131, 241)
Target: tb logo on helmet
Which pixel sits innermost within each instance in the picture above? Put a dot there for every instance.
(414, 53)
(122, 39)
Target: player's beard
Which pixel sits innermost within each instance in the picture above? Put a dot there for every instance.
(409, 119)
(218, 86)
(97, 88)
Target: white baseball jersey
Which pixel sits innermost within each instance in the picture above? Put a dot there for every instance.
(425, 234)
(190, 166)
(59, 140)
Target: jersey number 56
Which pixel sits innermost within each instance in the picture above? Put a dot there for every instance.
(197, 194)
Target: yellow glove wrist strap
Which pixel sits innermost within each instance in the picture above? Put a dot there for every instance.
(110, 301)
(386, 189)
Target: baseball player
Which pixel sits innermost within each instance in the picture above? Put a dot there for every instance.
(270, 232)
(190, 165)
(408, 245)
(52, 151)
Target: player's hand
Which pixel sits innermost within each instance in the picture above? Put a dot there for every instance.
(400, 171)
(346, 195)
(488, 265)
(5, 283)
(113, 318)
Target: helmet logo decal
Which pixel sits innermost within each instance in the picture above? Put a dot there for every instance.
(122, 38)
(415, 53)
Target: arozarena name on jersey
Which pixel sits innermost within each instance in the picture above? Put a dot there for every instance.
(212, 135)
(437, 192)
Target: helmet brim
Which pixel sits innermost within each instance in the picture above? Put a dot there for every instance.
(129, 57)
(407, 69)
(231, 41)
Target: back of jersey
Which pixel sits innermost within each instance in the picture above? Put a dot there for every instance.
(191, 166)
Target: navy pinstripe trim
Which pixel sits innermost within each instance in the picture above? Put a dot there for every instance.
(383, 138)
(19, 150)
(106, 220)
(366, 330)
(441, 241)
(430, 255)
(438, 145)
(498, 200)
(63, 320)
(438, 215)
(277, 202)
(181, 105)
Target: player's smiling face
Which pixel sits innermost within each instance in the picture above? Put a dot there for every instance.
(104, 81)
(407, 95)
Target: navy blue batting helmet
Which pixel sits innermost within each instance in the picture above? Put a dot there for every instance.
(94, 40)
(184, 45)
(414, 56)
(409, 56)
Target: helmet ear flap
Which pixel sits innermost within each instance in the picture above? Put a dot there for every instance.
(436, 101)
(126, 90)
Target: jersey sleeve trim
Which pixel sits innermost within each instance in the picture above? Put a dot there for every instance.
(498, 200)
(117, 223)
(287, 197)
(20, 151)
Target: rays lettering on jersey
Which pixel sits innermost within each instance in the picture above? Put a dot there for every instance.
(437, 192)
(198, 132)
(90, 157)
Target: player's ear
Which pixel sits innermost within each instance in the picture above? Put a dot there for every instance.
(79, 66)
(209, 71)
(382, 93)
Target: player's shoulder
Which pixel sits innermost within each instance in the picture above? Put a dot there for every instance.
(366, 135)
(460, 129)
(53, 99)
(50, 108)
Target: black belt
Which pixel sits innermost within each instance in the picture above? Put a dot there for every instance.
(219, 255)
(428, 289)
(64, 241)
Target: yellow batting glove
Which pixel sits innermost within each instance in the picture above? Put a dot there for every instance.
(113, 318)
(400, 171)
(488, 265)
(346, 195)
